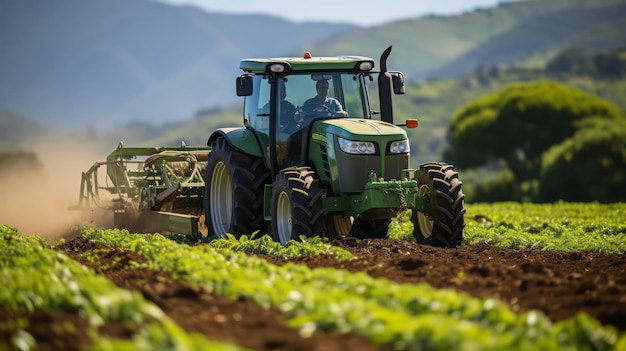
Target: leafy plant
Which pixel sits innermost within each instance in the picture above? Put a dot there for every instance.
(401, 315)
(36, 278)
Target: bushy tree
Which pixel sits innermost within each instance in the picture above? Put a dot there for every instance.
(589, 166)
(519, 123)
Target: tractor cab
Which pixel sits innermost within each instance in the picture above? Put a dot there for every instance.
(284, 97)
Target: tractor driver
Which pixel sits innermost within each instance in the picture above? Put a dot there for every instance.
(321, 104)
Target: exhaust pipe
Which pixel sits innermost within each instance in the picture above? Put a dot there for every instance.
(384, 89)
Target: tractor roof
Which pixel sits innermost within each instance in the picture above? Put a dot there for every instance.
(307, 63)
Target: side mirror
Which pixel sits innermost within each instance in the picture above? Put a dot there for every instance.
(244, 85)
(398, 83)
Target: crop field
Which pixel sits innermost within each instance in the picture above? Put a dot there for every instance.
(527, 277)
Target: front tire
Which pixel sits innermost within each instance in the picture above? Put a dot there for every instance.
(443, 226)
(296, 205)
(233, 197)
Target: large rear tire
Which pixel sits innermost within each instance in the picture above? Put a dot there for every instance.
(443, 226)
(233, 195)
(296, 205)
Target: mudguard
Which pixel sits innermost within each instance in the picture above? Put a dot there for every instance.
(240, 138)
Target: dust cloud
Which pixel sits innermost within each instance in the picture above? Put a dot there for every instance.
(37, 202)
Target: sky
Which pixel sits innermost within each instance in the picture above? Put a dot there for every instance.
(363, 12)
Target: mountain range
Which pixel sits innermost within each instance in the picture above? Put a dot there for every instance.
(102, 65)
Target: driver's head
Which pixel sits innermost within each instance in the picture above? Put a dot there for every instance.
(322, 87)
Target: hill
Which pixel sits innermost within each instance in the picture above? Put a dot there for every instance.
(139, 69)
(450, 46)
(105, 63)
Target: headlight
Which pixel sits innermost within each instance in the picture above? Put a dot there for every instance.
(400, 147)
(357, 147)
(366, 65)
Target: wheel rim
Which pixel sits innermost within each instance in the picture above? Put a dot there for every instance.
(424, 222)
(342, 225)
(283, 218)
(221, 199)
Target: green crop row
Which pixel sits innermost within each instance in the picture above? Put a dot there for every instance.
(33, 277)
(408, 317)
(265, 245)
(559, 226)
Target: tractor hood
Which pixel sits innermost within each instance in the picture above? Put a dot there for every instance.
(360, 129)
(347, 171)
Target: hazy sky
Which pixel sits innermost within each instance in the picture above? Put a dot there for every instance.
(363, 12)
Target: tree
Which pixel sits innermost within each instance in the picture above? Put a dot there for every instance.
(589, 166)
(519, 123)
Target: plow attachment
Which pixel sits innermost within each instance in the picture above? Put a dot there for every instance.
(149, 189)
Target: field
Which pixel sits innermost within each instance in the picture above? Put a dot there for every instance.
(528, 276)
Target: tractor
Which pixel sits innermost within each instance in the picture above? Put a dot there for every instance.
(317, 163)
(311, 159)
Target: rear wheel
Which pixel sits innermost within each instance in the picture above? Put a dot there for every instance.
(443, 226)
(296, 205)
(337, 226)
(234, 185)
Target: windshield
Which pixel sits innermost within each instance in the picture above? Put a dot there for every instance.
(334, 93)
(301, 99)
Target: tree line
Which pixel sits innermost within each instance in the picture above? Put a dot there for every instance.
(602, 65)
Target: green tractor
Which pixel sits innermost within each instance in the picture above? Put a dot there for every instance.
(314, 159)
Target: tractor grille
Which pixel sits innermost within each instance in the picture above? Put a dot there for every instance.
(354, 170)
(325, 164)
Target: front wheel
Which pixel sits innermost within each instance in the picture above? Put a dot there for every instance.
(443, 226)
(296, 205)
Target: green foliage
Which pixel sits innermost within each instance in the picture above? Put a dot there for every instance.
(524, 117)
(499, 188)
(518, 124)
(34, 277)
(401, 315)
(589, 166)
(265, 245)
(560, 226)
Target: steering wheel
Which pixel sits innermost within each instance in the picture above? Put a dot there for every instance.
(314, 110)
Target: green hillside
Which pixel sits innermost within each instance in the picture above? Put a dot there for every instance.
(430, 46)
(512, 42)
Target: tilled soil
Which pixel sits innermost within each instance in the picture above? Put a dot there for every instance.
(560, 284)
